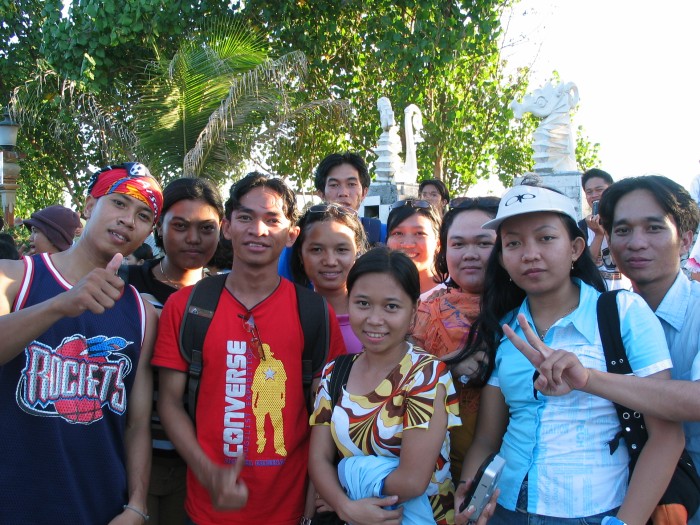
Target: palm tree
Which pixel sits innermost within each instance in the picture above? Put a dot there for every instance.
(220, 96)
(204, 112)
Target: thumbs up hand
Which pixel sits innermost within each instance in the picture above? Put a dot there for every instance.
(96, 292)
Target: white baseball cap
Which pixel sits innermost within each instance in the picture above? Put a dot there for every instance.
(520, 200)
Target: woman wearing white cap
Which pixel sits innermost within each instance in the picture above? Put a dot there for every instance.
(562, 462)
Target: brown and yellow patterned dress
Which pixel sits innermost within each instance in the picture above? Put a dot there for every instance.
(373, 424)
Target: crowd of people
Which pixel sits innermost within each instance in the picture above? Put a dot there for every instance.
(339, 370)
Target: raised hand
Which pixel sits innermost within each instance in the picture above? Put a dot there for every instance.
(98, 291)
(560, 371)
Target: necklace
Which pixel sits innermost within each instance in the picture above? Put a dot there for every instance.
(174, 284)
(543, 333)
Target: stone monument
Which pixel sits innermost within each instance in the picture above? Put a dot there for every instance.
(394, 179)
(554, 143)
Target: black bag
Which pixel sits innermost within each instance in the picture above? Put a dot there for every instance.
(339, 377)
(684, 487)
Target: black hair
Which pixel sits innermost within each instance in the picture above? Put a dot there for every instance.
(143, 252)
(439, 185)
(502, 297)
(391, 262)
(8, 250)
(673, 198)
(192, 189)
(324, 213)
(401, 213)
(336, 159)
(6, 237)
(223, 256)
(488, 205)
(254, 180)
(595, 173)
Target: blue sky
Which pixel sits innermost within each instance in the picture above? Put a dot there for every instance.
(636, 66)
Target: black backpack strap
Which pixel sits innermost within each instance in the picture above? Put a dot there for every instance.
(315, 324)
(633, 429)
(196, 320)
(339, 376)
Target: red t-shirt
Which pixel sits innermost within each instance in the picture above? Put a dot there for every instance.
(249, 405)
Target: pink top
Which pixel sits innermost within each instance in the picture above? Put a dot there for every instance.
(352, 343)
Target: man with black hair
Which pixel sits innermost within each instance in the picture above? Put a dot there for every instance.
(247, 460)
(343, 178)
(76, 387)
(650, 221)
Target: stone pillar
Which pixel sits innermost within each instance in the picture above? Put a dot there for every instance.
(9, 172)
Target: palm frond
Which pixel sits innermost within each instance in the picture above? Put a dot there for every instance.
(259, 90)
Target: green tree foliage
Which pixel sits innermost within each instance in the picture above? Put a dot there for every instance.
(21, 42)
(587, 152)
(101, 40)
(442, 56)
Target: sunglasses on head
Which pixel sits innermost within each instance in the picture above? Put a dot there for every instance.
(413, 203)
(326, 207)
(474, 202)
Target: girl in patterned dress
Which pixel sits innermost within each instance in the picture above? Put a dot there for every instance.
(397, 404)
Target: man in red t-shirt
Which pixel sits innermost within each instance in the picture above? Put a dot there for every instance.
(247, 459)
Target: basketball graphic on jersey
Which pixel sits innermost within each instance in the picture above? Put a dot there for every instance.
(76, 380)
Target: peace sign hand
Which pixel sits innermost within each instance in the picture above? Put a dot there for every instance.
(560, 371)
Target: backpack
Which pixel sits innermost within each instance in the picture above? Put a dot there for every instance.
(684, 488)
(200, 308)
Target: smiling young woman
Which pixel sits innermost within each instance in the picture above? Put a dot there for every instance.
(443, 322)
(407, 441)
(543, 291)
(413, 227)
(331, 237)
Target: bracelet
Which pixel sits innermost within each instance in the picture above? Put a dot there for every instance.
(143, 515)
(305, 521)
(462, 481)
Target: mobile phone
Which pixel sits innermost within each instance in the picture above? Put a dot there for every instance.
(595, 207)
(483, 486)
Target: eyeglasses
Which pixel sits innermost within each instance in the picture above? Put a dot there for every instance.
(249, 325)
(475, 202)
(413, 203)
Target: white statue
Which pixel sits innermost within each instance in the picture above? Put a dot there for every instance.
(413, 127)
(388, 164)
(554, 144)
(386, 114)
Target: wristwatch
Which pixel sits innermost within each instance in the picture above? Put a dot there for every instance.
(305, 521)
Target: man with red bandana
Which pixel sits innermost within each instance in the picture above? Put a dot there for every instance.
(75, 376)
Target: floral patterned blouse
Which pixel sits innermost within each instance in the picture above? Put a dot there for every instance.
(373, 424)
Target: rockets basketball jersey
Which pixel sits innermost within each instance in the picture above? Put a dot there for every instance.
(63, 404)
